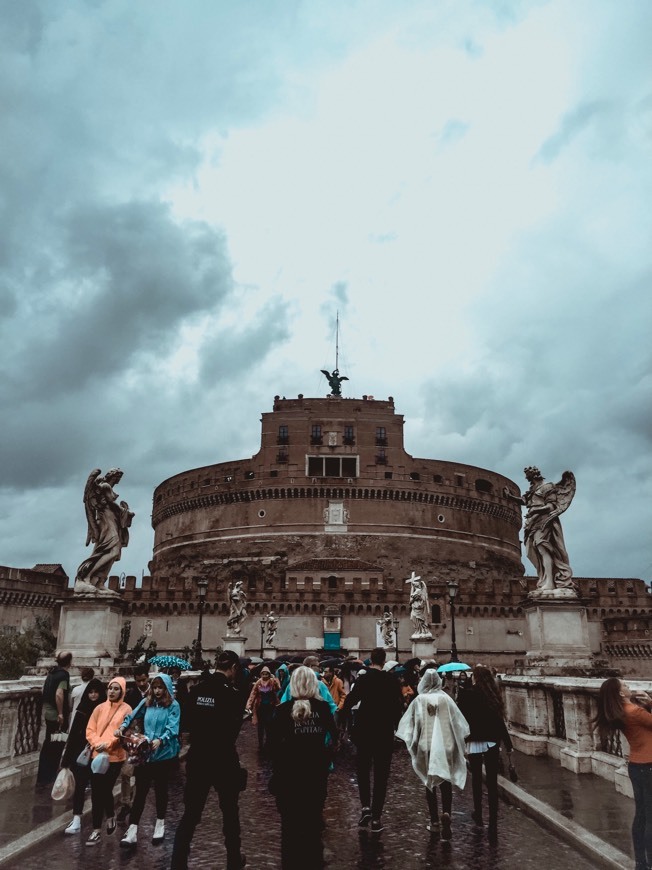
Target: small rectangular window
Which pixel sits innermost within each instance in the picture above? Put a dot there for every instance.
(332, 465)
(315, 435)
(349, 435)
(349, 467)
(283, 435)
(381, 436)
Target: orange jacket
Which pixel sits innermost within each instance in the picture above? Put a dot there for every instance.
(336, 688)
(105, 720)
(638, 731)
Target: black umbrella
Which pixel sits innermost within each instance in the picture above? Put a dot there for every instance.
(283, 658)
(330, 663)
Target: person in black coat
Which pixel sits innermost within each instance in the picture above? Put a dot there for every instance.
(380, 700)
(213, 719)
(482, 707)
(93, 694)
(303, 740)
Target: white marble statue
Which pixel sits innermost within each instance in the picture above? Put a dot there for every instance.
(419, 606)
(386, 625)
(543, 536)
(271, 628)
(108, 529)
(238, 607)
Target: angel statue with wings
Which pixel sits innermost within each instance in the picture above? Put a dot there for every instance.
(108, 529)
(543, 536)
(237, 607)
(334, 381)
(419, 607)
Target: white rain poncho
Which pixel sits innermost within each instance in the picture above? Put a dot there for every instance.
(434, 732)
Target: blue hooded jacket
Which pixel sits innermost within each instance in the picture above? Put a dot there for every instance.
(160, 723)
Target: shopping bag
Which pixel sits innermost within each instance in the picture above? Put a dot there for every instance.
(84, 757)
(64, 785)
(100, 764)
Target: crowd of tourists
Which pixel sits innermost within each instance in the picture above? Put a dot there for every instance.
(301, 711)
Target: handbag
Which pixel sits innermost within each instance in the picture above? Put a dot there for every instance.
(59, 737)
(100, 764)
(84, 757)
(64, 785)
(134, 742)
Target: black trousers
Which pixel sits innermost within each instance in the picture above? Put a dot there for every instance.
(157, 772)
(301, 826)
(50, 756)
(446, 790)
(82, 774)
(376, 756)
(223, 776)
(102, 793)
(490, 760)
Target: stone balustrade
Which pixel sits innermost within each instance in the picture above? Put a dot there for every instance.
(553, 716)
(20, 729)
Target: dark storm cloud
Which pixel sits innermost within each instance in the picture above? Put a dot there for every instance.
(129, 277)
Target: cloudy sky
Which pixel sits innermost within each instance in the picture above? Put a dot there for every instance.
(189, 192)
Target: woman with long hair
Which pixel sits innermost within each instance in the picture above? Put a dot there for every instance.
(482, 707)
(160, 715)
(100, 733)
(620, 710)
(300, 762)
(94, 693)
(263, 699)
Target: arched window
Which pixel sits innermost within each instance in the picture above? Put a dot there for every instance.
(482, 485)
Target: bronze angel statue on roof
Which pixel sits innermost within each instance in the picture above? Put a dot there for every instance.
(334, 380)
(543, 536)
(108, 529)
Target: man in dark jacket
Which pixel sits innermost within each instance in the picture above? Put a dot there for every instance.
(214, 718)
(56, 690)
(374, 722)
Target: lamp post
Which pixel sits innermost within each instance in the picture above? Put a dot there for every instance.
(263, 626)
(202, 587)
(453, 588)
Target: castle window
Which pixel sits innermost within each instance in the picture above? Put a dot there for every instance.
(483, 485)
(315, 435)
(349, 436)
(436, 614)
(381, 436)
(414, 475)
(437, 478)
(316, 584)
(459, 480)
(249, 475)
(282, 455)
(389, 475)
(283, 435)
(332, 466)
(273, 473)
(381, 457)
(364, 583)
(332, 582)
(301, 583)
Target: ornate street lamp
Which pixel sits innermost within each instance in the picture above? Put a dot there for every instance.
(263, 626)
(453, 588)
(395, 623)
(202, 587)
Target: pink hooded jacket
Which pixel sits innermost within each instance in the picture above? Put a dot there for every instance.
(105, 720)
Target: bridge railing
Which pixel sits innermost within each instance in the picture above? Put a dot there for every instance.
(553, 716)
(20, 729)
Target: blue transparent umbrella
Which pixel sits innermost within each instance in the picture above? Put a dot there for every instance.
(169, 662)
(453, 666)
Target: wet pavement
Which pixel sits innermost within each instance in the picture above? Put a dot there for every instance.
(403, 845)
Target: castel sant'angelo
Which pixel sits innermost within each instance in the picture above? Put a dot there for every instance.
(324, 524)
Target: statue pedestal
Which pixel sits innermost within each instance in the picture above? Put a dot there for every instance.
(269, 652)
(236, 643)
(423, 647)
(558, 638)
(90, 628)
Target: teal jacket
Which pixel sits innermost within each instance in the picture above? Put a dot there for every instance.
(160, 723)
(323, 691)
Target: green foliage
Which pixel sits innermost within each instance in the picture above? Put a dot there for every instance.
(18, 652)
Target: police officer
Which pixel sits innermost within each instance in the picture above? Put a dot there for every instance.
(214, 718)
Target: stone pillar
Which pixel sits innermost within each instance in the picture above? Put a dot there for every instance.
(558, 637)
(423, 647)
(90, 628)
(269, 652)
(236, 643)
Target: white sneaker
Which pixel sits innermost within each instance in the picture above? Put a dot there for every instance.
(75, 826)
(131, 837)
(159, 831)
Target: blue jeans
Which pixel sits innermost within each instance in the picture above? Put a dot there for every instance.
(641, 777)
